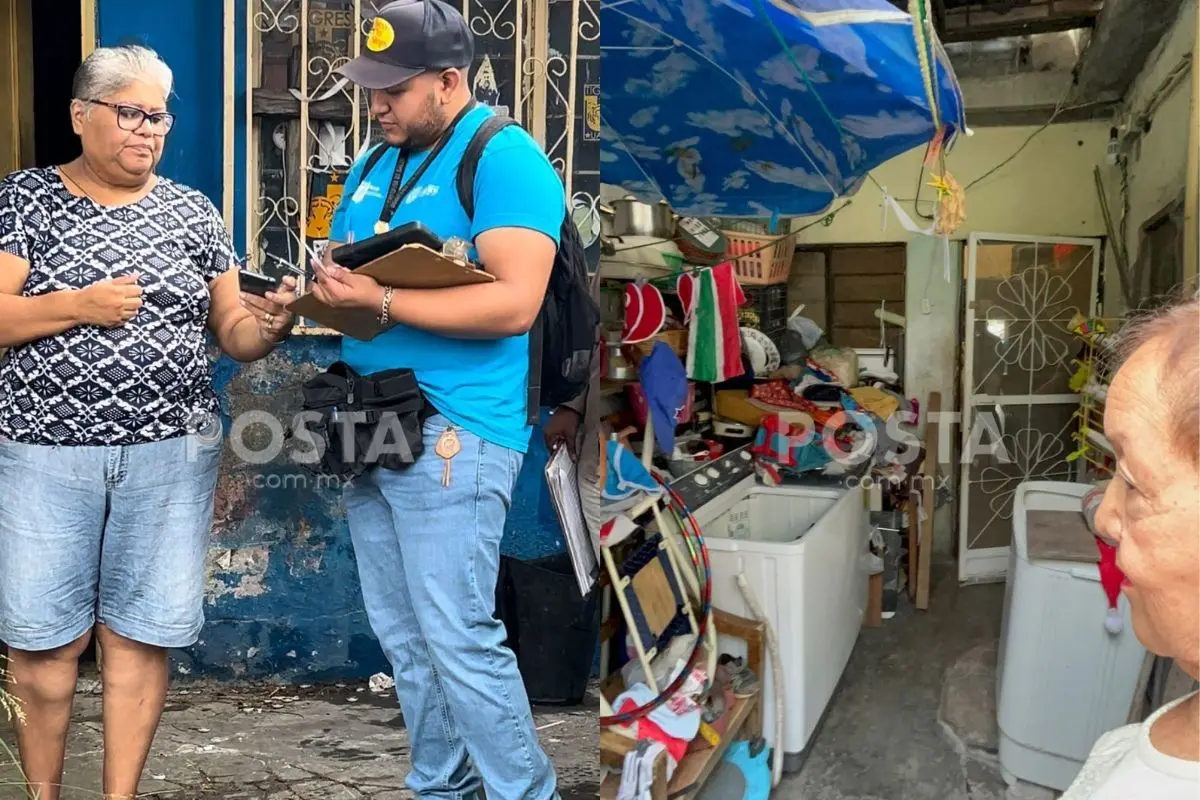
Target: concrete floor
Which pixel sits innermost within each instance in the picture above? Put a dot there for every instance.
(264, 742)
(881, 738)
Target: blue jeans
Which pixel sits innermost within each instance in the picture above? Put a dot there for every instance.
(428, 560)
(115, 535)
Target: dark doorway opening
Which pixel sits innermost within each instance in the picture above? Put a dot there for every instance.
(56, 55)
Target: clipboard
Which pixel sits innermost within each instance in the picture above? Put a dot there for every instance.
(564, 495)
(413, 266)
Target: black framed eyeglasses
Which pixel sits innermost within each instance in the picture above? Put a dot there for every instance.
(131, 118)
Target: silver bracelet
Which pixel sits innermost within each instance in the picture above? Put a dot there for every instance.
(386, 307)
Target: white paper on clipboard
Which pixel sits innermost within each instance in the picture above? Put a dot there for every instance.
(564, 494)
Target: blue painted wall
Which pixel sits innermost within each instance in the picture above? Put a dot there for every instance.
(283, 591)
(188, 35)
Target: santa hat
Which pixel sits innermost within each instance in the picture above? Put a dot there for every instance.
(1111, 577)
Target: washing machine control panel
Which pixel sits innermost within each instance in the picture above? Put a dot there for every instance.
(712, 478)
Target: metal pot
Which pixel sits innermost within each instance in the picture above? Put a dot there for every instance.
(631, 217)
(606, 221)
(619, 367)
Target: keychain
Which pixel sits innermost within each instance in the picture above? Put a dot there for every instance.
(446, 449)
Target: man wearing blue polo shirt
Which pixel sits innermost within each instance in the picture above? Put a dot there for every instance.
(427, 539)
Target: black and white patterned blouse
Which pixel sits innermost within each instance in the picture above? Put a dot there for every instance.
(143, 381)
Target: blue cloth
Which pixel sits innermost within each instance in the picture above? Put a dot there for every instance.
(480, 384)
(702, 104)
(752, 760)
(428, 561)
(810, 456)
(665, 385)
(116, 535)
(627, 475)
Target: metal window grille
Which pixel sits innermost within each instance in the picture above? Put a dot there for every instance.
(537, 60)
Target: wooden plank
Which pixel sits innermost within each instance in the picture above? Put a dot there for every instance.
(658, 789)
(658, 786)
(1191, 235)
(855, 337)
(873, 617)
(282, 103)
(698, 765)
(613, 747)
(867, 289)
(979, 21)
(87, 27)
(16, 86)
(857, 314)
(929, 492)
(912, 532)
(863, 262)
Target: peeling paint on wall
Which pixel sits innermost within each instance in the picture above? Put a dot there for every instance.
(239, 573)
(283, 598)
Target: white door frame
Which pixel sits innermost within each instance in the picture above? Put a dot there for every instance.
(991, 563)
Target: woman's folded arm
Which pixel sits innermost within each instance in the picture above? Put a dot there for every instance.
(24, 319)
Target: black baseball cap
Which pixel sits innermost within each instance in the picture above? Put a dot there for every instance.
(409, 37)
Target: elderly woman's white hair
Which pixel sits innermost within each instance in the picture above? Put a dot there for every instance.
(108, 70)
(1177, 326)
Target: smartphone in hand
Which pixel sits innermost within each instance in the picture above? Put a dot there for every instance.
(256, 283)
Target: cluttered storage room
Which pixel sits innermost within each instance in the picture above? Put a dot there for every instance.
(865, 272)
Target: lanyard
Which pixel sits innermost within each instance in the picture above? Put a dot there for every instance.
(396, 192)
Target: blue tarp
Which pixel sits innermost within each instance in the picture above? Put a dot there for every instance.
(704, 106)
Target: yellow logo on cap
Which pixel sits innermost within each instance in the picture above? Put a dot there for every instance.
(381, 36)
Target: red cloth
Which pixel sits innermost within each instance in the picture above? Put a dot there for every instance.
(729, 298)
(779, 393)
(773, 441)
(647, 729)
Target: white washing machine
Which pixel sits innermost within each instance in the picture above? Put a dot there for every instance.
(1062, 680)
(801, 549)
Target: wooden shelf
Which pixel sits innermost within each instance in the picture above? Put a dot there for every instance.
(698, 765)
(695, 768)
(282, 103)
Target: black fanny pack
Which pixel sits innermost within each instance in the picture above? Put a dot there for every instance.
(356, 422)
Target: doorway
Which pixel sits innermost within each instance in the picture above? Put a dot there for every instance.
(1018, 410)
(41, 51)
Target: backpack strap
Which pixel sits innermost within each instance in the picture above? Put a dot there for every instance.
(470, 160)
(466, 196)
(373, 158)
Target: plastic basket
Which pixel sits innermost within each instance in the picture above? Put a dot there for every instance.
(769, 265)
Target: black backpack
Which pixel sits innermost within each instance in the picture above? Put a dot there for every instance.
(563, 337)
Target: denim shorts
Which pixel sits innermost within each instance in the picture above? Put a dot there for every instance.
(116, 535)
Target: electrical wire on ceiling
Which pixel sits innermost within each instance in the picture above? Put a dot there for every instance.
(1141, 118)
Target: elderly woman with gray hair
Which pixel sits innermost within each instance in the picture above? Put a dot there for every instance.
(1151, 512)
(110, 279)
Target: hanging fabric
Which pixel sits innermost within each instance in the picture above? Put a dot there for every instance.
(714, 336)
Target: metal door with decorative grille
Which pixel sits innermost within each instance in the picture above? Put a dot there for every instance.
(1018, 409)
(536, 60)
